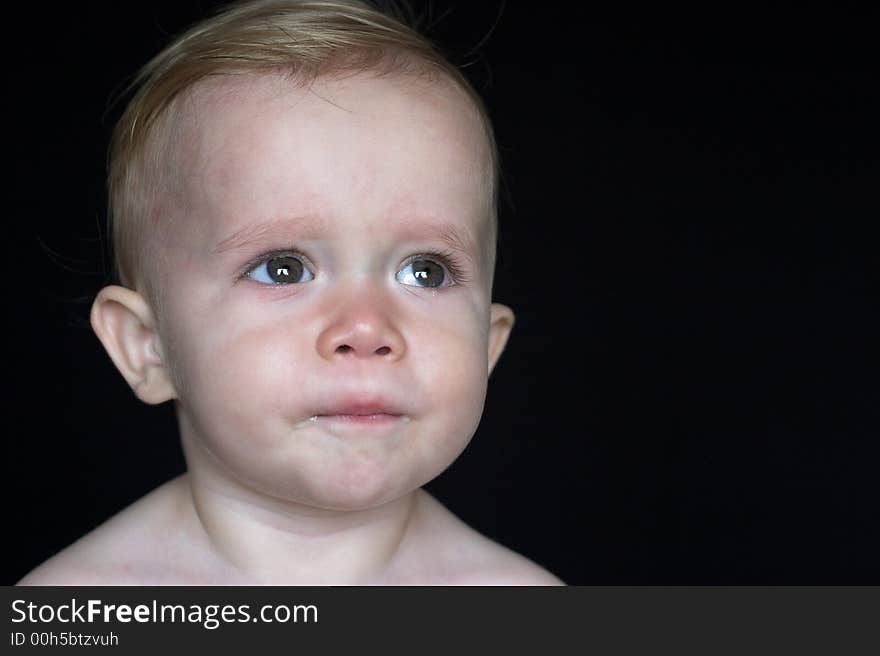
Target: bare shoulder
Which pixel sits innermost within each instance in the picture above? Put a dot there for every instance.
(453, 553)
(121, 551)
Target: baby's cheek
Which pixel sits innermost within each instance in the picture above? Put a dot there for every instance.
(243, 378)
(458, 391)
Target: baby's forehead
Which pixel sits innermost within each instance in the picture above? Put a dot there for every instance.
(254, 151)
(415, 141)
(233, 102)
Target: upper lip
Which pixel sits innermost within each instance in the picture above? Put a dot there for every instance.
(360, 406)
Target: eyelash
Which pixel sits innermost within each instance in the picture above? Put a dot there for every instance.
(450, 262)
(447, 258)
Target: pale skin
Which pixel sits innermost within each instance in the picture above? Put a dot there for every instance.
(352, 177)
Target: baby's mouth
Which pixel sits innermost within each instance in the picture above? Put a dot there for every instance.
(371, 418)
(355, 425)
(361, 412)
(359, 407)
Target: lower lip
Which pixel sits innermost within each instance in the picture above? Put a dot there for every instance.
(377, 419)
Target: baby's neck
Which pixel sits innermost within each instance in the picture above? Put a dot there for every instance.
(264, 540)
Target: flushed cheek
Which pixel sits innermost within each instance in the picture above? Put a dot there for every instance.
(237, 381)
(454, 384)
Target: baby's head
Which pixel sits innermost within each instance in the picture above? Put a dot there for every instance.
(303, 204)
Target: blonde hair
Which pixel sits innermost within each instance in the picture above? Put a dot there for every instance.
(304, 39)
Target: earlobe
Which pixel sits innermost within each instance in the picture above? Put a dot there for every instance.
(500, 325)
(124, 323)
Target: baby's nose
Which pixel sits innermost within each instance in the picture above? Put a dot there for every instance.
(361, 332)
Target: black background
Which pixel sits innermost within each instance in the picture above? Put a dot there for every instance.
(690, 394)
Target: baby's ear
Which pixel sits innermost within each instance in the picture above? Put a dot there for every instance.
(124, 323)
(500, 325)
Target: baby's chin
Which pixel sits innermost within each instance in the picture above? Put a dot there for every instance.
(355, 487)
(361, 484)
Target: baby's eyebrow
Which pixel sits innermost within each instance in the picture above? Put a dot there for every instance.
(255, 232)
(309, 227)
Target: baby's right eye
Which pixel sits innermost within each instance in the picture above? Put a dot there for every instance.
(280, 270)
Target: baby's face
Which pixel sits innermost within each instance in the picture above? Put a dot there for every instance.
(325, 286)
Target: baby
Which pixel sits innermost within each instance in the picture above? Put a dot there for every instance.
(303, 205)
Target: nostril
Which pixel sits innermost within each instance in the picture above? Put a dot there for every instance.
(383, 351)
(345, 348)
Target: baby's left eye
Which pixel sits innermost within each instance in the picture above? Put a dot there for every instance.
(424, 272)
(281, 269)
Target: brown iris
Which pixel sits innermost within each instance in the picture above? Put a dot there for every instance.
(428, 273)
(284, 268)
